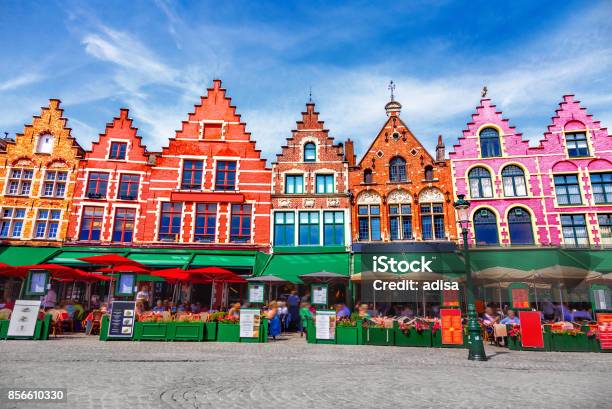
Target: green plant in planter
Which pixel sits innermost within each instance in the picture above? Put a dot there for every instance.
(346, 332)
(416, 333)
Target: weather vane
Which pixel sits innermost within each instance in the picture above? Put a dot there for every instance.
(391, 88)
(310, 95)
(484, 91)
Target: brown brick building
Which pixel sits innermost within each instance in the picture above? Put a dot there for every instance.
(37, 177)
(399, 191)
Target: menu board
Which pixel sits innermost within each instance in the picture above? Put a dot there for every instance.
(601, 298)
(325, 325)
(122, 319)
(450, 298)
(256, 293)
(519, 296)
(23, 318)
(604, 325)
(319, 294)
(452, 330)
(531, 329)
(37, 282)
(249, 323)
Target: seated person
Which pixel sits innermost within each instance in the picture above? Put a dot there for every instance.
(234, 311)
(363, 311)
(196, 308)
(511, 318)
(159, 307)
(342, 311)
(582, 314)
(489, 319)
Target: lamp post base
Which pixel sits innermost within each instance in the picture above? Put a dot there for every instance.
(475, 341)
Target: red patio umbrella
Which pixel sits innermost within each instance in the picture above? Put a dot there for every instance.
(171, 274)
(11, 272)
(111, 260)
(124, 269)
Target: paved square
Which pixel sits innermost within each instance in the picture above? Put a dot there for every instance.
(292, 374)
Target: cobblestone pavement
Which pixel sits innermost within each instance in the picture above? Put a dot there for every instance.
(292, 374)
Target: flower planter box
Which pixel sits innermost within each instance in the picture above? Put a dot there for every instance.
(570, 343)
(152, 331)
(412, 338)
(514, 343)
(210, 331)
(378, 336)
(346, 335)
(228, 332)
(187, 331)
(4, 324)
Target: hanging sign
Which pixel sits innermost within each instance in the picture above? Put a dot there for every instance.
(531, 329)
(604, 326)
(318, 294)
(23, 318)
(123, 315)
(452, 330)
(37, 283)
(519, 296)
(325, 324)
(256, 293)
(450, 299)
(126, 283)
(250, 319)
(600, 298)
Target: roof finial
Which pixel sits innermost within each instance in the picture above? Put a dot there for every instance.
(484, 91)
(391, 88)
(310, 94)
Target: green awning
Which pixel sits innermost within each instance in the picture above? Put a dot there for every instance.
(23, 256)
(525, 260)
(72, 257)
(290, 266)
(223, 260)
(161, 259)
(143, 277)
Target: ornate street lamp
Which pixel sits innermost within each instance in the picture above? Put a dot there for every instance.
(475, 344)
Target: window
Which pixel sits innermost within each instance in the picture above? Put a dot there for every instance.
(55, 183)
(97, 184)
(128, 187)
(11, 222)
(369, 222)
(489, 143)
(602, 187)
(333, 228)
(514, 181)
(367, 176)
(485, 228)
(605, 228)
(432, 221)
(91, 223)
(47, 224)
(397, 170)
(519, 223)
(45, 143)
(124, 225)
(20, 182)
(117, 150)
(567, 189)
(325, 184)
(429, 172)
(240, 230)
(192, 175)
(576, 144)
(284, 228)
(170, 226)
(206, 222)
(574, 229)
(309, 228)
(400, 221)
(310, 152)
(226, 175)
(480, 183)
(294, 184)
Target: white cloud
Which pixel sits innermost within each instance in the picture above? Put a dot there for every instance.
(20, 81)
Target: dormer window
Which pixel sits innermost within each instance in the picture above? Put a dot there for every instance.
(310, 152)
(489, 143)
(45, 143)
(117, 150)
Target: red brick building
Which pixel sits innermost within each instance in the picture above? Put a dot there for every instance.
(310, 198)
(400, 192)
(210, 185)
(112, 187)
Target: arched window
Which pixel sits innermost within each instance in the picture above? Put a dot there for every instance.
(397, 170)
(485, 228)
(45, 143)
(519, 222)
(310, 152)
(480, 183)
(489, 143)
(429, 173)
(514, 181)
(367, 176)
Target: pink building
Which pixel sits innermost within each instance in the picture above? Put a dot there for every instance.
(557, 193)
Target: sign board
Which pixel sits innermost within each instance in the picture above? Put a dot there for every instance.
(531, 329)
(250, 319)
(37, 282)
(23, 318)
(600, 298)
(325, 324)
(123, 315)
(452, 330)
(450, 299)
(256, 293)
(519, 296)
(604, 326)
(318, 294)
(126, 284)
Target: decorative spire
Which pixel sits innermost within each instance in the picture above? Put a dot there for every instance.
(310, 94)
(484, 91)
(393, 107)
(391, 88)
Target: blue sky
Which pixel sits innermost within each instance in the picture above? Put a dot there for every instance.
(158, 57)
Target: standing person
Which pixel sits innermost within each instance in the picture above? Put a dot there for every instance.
(305, 315)
(49, 300)
(294, 309)
(275, 325)
(144, 296)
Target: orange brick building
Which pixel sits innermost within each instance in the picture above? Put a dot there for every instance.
(37, 177)
(400, 192)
